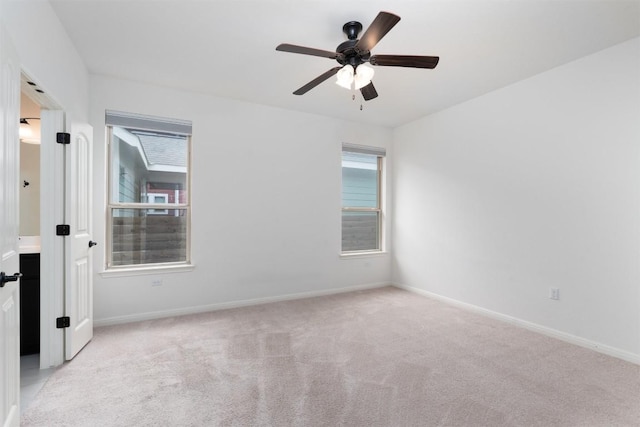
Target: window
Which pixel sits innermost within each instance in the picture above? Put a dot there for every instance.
(361, 198)
(161, 199)
(149, 205)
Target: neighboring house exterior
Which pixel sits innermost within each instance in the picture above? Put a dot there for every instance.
(150, 164)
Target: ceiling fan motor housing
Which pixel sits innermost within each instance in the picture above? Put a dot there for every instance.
(349, 54)
(351, 29)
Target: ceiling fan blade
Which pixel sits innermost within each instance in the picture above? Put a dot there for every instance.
(315, 82)
(285, 47)
(405, 61)
(380, 26)
(369, 92)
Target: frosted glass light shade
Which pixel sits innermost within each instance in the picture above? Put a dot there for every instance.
(25, 131)
(364, 74)
(345, 76)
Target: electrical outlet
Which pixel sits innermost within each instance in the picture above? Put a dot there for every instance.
(554, 293)
(156, 282)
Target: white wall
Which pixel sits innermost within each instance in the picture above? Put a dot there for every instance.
(47, 55)
(29, 194)
(266, 204)
(533, 186)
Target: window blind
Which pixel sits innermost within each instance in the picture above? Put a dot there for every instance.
(364, 149)
(142, 122)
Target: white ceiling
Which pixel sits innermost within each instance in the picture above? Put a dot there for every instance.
(227, 47)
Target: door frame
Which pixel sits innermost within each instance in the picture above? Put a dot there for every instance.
(52, 188)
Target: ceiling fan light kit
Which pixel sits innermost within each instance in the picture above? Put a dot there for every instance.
(353, 54)
(346, 77)
(364, 74)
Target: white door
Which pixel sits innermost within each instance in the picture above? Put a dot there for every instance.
(78, 259)
(9, 210)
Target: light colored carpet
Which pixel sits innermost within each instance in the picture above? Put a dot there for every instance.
(382, 357)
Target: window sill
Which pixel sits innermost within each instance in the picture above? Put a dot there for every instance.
(363, 254)
(141, 271)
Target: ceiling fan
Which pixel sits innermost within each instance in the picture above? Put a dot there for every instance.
(353, 54)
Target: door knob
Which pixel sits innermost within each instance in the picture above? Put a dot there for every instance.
(92, 244)
(4, 278)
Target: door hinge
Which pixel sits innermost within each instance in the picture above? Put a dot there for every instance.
(63, 322)
(63, 230)
(63, 138)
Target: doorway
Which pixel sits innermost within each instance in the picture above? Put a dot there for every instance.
(29, 229)
(32, 378)
(41, 207)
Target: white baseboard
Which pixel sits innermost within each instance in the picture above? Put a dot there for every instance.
(117, 320)
(563, 336)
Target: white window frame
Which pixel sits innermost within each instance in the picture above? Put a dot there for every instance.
(154, 124)
(380, 153)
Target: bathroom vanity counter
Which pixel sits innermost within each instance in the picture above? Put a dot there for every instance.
(29, 244)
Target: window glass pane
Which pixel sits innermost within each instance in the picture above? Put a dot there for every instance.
(360, 231)
(146, 236)
(146, 162)
(359, 180)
